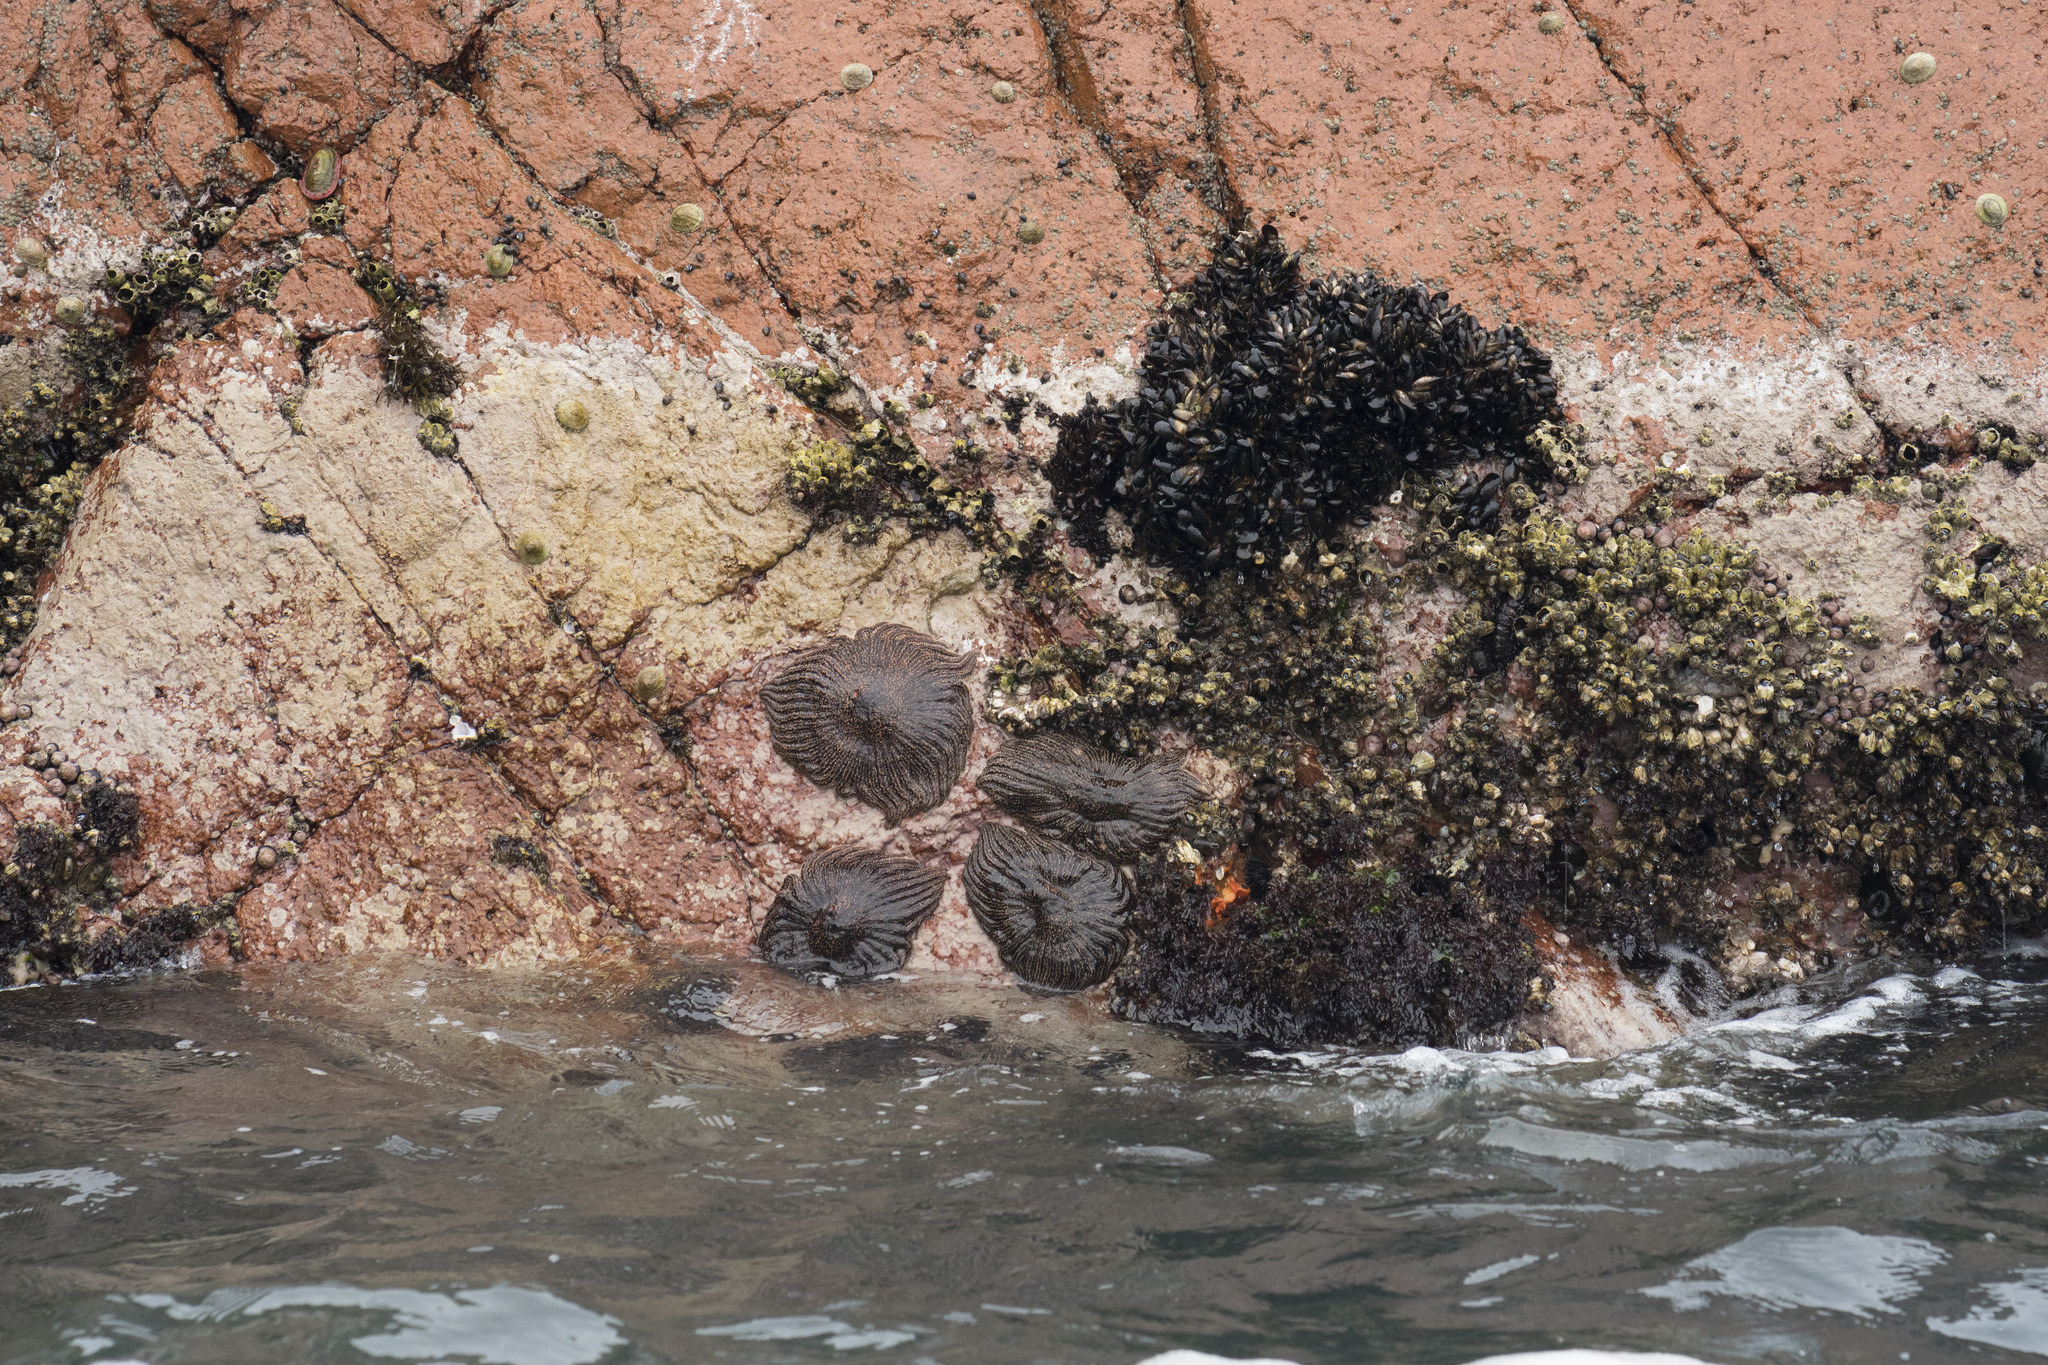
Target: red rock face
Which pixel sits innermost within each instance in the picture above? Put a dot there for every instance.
(1013, 195)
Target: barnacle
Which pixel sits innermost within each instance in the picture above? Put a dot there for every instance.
(882, 716)
(850, 913)
(1056, 915)
(1121, 807)
(1272, 408)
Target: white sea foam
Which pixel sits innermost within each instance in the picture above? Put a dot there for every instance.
(1837, 1270)
(502, 1325)
(2015, 1319)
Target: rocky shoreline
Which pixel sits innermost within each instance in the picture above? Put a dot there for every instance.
(342, 653)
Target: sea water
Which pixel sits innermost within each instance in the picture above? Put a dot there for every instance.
(391, 1161)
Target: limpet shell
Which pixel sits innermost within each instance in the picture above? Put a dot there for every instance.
(650, 683)
(571, 413)
(1002, 92)
(856, 76)
(530, 547)
(686, 218)
(323, 175)
(70, 311)
(1917, 68)
(1030, 234)
(1551, 22)
(32, 253)
(498, 261)
(1992, 209)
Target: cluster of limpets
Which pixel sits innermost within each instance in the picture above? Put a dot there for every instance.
(884, 717)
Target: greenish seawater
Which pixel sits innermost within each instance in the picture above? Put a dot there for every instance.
(391, 1161)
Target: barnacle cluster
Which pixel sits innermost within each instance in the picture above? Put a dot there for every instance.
(877, 475)
(414, 366)
(56, 871)
(1271, 409)
(1632, 728)
(67, 422)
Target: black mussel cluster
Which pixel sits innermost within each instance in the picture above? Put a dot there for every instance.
(884, 717)
(1272, 408)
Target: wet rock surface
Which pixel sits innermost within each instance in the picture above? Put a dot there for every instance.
(303, 620)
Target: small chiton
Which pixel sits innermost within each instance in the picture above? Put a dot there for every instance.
(1056, 915)
(850, 913)
(1121, 807)
(323, 175)
(883, 717)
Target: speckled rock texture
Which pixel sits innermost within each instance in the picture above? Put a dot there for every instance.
(1752, 248)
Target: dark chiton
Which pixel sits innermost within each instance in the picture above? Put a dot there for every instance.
(850, 913)
(883, 717)
(1056, 914)
(1120, 806)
